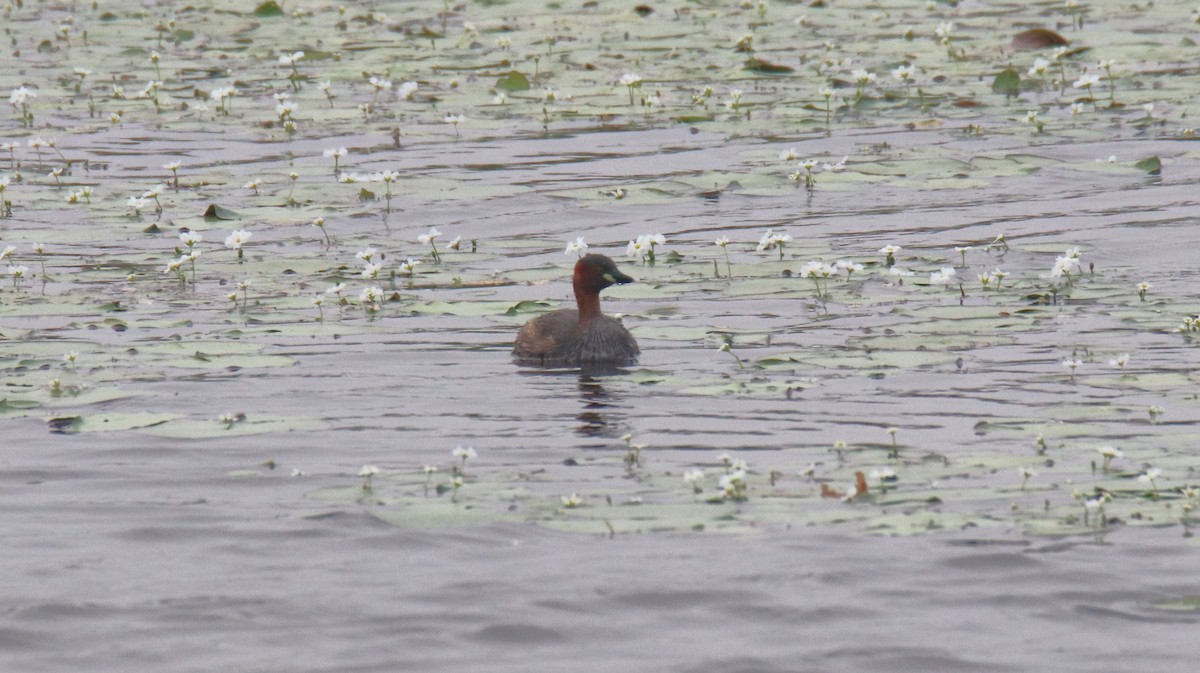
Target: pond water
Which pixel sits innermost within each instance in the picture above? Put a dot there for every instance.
(205, 469)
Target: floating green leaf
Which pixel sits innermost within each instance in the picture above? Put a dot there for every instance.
(1152, 165)
(1008, 82)
(268, 9)
(513, 81)
(216, 212)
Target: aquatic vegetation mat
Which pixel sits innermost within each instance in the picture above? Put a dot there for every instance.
(902, 267)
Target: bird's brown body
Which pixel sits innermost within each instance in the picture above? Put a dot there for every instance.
(582, 335)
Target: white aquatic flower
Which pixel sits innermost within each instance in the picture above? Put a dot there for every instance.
(237, 238)
(904, 72)
(1064, 266)
(722, 242)
(848, 267)
(576, 247)
(1086, 81)
(371, 295)
(1150, 475)
(371, 270)
(571, 501)
(636, 247)
(336, 288)
(772, 239)
(20, 96)
(813, 269)
(630, 79)
(788, 154)
(368, 471)
(409, 266)
(1073, 253)
(380, 83)
(190, 238)
(863, 77)
(291, 59)
(942, 276)
(426, 239)
(1120, 361)
(943, 30)
(336, 153)
(407, 90)
(692, 476)
(463, 453)
(1039, 67)
(1110, 452)
(836, 168)
(366, 255)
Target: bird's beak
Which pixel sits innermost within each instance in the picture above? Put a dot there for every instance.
(617, 278)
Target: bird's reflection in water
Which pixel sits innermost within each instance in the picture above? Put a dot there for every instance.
(602, 412)
(601, 415)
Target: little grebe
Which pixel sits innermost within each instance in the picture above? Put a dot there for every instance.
(580, 336)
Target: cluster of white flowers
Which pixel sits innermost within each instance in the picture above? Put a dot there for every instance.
(817, 269)
(19, 97)
(643, 246)
(1065, 265)
(220, 94)
(943, 276)
(773, 239)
